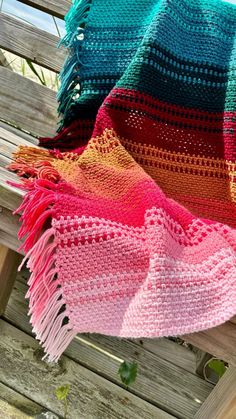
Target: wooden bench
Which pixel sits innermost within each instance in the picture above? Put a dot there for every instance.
(32, 108)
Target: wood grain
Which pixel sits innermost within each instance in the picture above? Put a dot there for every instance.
(11, 242)
(177, 354)
(233, 320)
(9, 223)
(16, 405)
(91, 396)
(10, 130)
(9, 262)
(159, 381)
(27, 104)
(221, 403)
(55, 7)
(219, 341)
(10, 197)
(30, 42)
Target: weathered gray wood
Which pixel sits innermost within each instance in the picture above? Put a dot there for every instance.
(221, 403)
(91, 396)
(9, 262)
(159, 381)
(30, 42)
(176, 354)
(27, 104)
(9, 130)
(11, 242)
(8, 222)
(54, 7)
(9, 412)
(15, 136)
(219, 341)
(7, 148)
(4, 161)
(10, 197)
(16, 404)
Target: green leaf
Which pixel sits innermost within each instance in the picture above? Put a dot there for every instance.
(218, 366)
(61, 392)
(128, 372)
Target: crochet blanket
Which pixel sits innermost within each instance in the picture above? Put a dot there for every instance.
(129, 214)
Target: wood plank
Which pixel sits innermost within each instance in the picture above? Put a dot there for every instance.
(9, 223)
(56, 8)
(9, 262)
(10, 197)
(160, 382)
(15, 136)
(9, 144)
(221, 403)
(233, 320)
(4, 161)
(9, 412)
(219, 341)
(7, 148)
(27, 104)
(9, 130)
(91, 396)
(30, 42)
(17, 406)
(172, 352)
(10, 242)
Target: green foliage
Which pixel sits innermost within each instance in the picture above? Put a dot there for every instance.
(128, 372)
(218, 366)
(32, 68)
(61, 394)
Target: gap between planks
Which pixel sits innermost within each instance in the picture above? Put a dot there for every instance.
(57, 8)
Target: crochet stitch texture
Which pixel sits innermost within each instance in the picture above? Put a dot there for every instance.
(137, 190)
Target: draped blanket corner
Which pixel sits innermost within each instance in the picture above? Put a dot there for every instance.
(129, 214)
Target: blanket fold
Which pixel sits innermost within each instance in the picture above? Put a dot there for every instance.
(129, 214)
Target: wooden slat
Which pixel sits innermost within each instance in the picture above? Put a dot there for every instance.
(27, 104)
(233, 320)
(10, 197)
(159, 381)
(7, 148)
(10, 242)
(15, 136)
(177, 354)
(30, 42)
(15, 406)
(219, 341)
(8, 222)
(9, 262)
(56, 8)
(91, 396)
(221, 403)
(8, 131)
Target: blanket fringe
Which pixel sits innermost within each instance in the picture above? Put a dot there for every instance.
(70, 87)
(70, 78)
(47, 307)
(34, 162)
